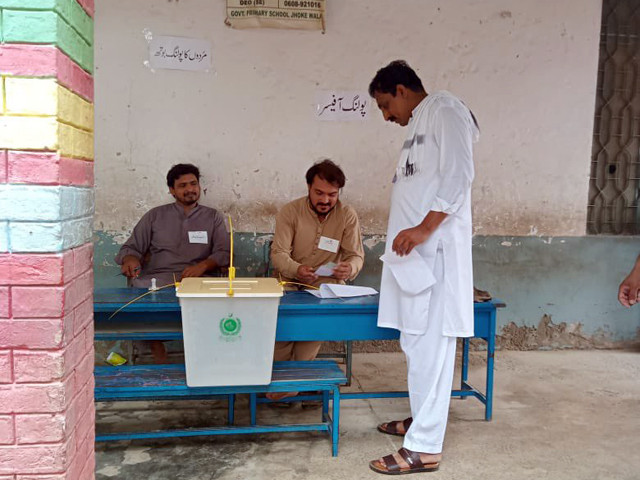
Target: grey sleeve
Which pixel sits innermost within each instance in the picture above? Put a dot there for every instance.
(139, 242)
(220, 245)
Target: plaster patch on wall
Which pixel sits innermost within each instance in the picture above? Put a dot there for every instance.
(550, 336)
(262, 240)
(373, 241)
(373, 221)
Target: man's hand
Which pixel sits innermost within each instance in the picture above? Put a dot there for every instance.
(342, 271)
(630, 289)
(196, 270)
(130, 266)
(407, 239)
(306, 274)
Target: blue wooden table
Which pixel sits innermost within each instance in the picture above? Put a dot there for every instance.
(300, 317)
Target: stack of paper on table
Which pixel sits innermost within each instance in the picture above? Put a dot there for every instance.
(336, 290)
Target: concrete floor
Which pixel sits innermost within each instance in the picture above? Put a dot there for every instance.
(557, 415)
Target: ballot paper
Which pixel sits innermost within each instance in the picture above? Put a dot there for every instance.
(325, 270)
(411, 272)
(336, 290)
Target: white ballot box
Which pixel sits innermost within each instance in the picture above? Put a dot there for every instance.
(229, 339)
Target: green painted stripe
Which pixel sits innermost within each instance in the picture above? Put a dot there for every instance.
(30, 27)
(75, 16)
(24, 26)
(28, 4)
(70, 10)
(74, 45)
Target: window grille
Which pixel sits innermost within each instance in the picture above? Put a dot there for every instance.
(615, 165)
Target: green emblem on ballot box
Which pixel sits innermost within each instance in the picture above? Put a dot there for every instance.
(230, 326)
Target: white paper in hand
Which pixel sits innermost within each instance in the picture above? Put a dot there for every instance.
(325, 270)
(412, 273)
(336, 290)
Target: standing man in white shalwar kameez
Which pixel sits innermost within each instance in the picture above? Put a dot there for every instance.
(427, 286)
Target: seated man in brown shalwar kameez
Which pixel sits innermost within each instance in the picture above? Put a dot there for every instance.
(312, 231)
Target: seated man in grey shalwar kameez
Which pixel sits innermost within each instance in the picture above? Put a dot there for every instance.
(178, 240)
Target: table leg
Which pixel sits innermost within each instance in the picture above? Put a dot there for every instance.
(335, 418)
(465, 365)
(491, 349)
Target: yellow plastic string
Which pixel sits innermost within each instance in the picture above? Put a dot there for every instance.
(232, 269)
(174, 284)
(283, 283)
(232, 276)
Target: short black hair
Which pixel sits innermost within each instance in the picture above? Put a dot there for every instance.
(327, 171)
(396, 73)
(181, 169)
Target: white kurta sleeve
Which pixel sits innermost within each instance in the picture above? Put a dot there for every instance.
(453, 135)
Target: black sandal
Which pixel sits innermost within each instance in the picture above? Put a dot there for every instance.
(391, 428)
(391, 467)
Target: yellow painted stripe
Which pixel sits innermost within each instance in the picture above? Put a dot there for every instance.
(74, 110)
(43, 97)
(75, 143)
(45, 133)
(30, 133)
(31, 96)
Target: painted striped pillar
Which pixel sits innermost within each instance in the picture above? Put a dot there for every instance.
(46, 210)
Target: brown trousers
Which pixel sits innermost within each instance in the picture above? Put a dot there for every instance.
(285, 351)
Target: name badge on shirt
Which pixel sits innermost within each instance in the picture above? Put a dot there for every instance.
(198, 237)
(328, 244)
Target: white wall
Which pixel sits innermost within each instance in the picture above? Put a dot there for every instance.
(526, 68)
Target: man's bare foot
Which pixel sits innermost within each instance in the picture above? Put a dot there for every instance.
(159, 352)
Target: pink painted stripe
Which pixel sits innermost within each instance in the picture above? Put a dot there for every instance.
(76, 172)
(73, 77)
(31, 167)
(45, 61)
(88, 6)
(48, 169)
(29, 60)
(3, 166)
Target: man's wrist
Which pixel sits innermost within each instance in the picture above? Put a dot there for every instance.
(293, 273)
(425, 229)
(635, 273)
(208, 264)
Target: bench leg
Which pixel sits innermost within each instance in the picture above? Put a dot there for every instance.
(349, 357)
(253, 403)
(325, 405)
(335, 418)
(231, 405)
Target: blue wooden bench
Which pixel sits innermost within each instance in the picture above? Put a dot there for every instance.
(143, 382)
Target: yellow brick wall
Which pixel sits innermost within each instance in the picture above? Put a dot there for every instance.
(40, 114)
